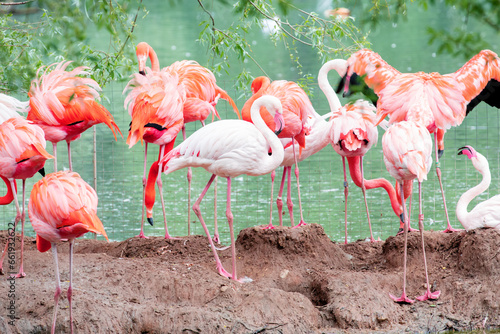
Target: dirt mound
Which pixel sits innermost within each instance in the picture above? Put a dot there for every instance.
(302, 283)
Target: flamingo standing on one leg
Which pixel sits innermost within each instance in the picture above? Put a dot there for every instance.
(431, 99)
(484, 214)
(22, 154)
(230, 148)
(154, 103)
(202, 94)
(63, 206)
(344, 125)
(407, 147)
(296, 108)
(64, 105)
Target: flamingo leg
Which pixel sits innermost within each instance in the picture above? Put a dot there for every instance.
(54, 153)
(289, 202)
(69, 156)
(363, 188)
(279, 201)
(229, 216)
(160, 189)
(216, 227)
(302, 222)
(16, 220)
(58, 288)
(197, 211)
(404, 298)
(141, 234)
(428, 294)
(346, 193)
(448, 229)
(21, 273)
(271, 226)
(70, 288)
(189, 178)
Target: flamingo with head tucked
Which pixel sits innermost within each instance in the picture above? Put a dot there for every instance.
(63, 206)
(296, 109)
(22, 155)
(230, 148)
(436, 101)
(407, 147)
(65, 104)
(486, 213)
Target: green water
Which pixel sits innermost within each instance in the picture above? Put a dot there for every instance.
(173, 31)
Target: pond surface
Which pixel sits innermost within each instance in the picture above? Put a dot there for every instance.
(173, 31)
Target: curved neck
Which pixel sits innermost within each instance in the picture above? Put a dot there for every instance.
(355, 171)
(9, 197)
(155, 63)
(278, 153)
(470, 194)
(338, 65)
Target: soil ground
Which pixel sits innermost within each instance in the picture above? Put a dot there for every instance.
(301, 283)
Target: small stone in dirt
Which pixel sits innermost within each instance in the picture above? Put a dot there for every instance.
(284, 273)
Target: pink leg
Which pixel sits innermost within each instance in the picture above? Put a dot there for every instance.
(160, 189)
(141, 234)
(189, 177)
(54, 153)
(270, 226)
(216, 227)
(410, 229)
(70, 288)
(58, 288)
(448, 229)
(302, 222)
(229, 216)
(279, 201)
(346, 193)
(404, 298)
(428, 294)
(197, 211)
(16, 220)
(289, 202)
(363, 188)
(69, 157)
(21, 273)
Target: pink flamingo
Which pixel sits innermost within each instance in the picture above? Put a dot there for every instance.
(296, 108)
(22, 154)
(434, 100)
(202, 94)
(154, 102)
(63, 207)
(64, 105)
(484, 214)
(407, 147)
(343, 125)
(230, 148)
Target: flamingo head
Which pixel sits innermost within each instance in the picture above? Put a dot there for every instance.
(142, 53)
(469, 151)
(260, 83)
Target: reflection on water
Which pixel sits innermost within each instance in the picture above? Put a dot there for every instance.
(119, 169)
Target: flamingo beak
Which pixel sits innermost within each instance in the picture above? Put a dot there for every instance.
(150, 221)
(280, 123)
(468, 151)
(42, 171)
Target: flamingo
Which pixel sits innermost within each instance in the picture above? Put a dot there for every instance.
(63, 206)
(154, 102)
(64, 105)
(344, 125)
(407, 148)
(230, 148)
(486, 213)
(202, 94)
(296, 108)
(434, 100)
(22, 154)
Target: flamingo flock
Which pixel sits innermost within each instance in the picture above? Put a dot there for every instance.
(279, 127)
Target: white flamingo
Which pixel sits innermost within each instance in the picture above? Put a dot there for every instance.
(485, 214)
(230, 148)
